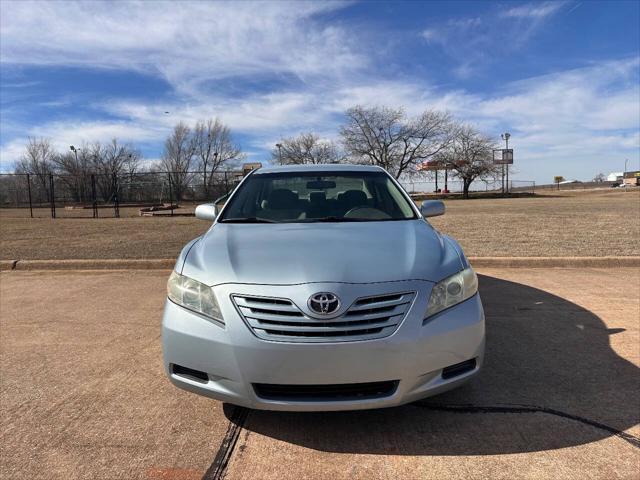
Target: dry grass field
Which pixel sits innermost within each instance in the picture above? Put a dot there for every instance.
(579, 223)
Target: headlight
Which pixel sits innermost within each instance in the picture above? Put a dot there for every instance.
(193, 295)
(451, 291)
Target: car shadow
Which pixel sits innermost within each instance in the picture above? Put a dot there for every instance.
(550, 380)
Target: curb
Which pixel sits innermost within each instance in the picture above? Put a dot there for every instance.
(168, 263)
(99, 264)
(7, 265)
(555, 262)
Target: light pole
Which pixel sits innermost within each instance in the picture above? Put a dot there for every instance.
(74, 150)
(446, 178)
(279, 145)
(381, 143)
(505, 136)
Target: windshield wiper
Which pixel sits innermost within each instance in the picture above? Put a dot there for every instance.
(337, 219)
(247, 220)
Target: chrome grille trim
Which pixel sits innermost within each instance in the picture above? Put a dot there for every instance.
(280, 319)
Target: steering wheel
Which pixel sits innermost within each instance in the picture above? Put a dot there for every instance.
(367, 213)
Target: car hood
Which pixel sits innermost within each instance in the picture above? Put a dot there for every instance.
(294, 253)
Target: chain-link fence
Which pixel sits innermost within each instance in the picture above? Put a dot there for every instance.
(456, 186)
(576, 185)
(99, 195)
(168, 193)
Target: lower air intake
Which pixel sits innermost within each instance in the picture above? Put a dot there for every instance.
(458, 369)
(325, 393)
(189, 373)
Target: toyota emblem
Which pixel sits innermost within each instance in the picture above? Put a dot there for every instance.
(324, 303)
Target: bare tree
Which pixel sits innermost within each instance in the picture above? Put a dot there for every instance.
(38, 161)
(73, 168)
(111, 161)
(386, 137)
(77, 162)
(178, 155)
(305, 148)
(214, 147)
(600, 178)
(469, 156)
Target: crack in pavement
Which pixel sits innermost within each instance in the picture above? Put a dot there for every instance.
(218, 468)
(238, 418)
(521, 408)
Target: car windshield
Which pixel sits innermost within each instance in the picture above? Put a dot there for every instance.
(287, 197)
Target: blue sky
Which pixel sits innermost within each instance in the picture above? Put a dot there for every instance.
(562, 77)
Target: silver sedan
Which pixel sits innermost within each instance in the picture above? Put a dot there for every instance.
(321, 288)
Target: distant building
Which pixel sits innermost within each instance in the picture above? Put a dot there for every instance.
(631, 178)
(615, 177)
(246, 169)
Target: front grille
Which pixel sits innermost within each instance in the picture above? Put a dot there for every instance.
(323, 393)
(279, 319)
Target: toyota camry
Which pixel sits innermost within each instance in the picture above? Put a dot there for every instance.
(321, 287)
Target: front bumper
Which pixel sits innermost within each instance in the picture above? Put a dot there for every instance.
(234, 358)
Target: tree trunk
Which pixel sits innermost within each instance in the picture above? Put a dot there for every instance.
(466, 183)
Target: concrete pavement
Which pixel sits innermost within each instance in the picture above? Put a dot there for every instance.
(83, 394)
(83, 390)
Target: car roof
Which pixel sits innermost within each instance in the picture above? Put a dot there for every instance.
(321, 167)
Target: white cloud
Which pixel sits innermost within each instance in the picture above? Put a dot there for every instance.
(465, 22)
(430, 34)
(187, 45)
(251, 114)
(378, 93)
(65, 133)
(477, 42)
(534, 10)
(10, 152)
(599, 97)
(575, 123)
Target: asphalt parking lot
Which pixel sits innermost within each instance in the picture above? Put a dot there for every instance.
(83, 393)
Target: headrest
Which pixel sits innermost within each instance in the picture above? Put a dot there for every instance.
(354, 198)
(317, 197)
(281, 198)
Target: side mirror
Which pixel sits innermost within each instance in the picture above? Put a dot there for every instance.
(432, 208)
(207, 211)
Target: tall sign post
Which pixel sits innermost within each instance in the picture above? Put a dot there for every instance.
(504, 156)
(505, 136)
(434, 166)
